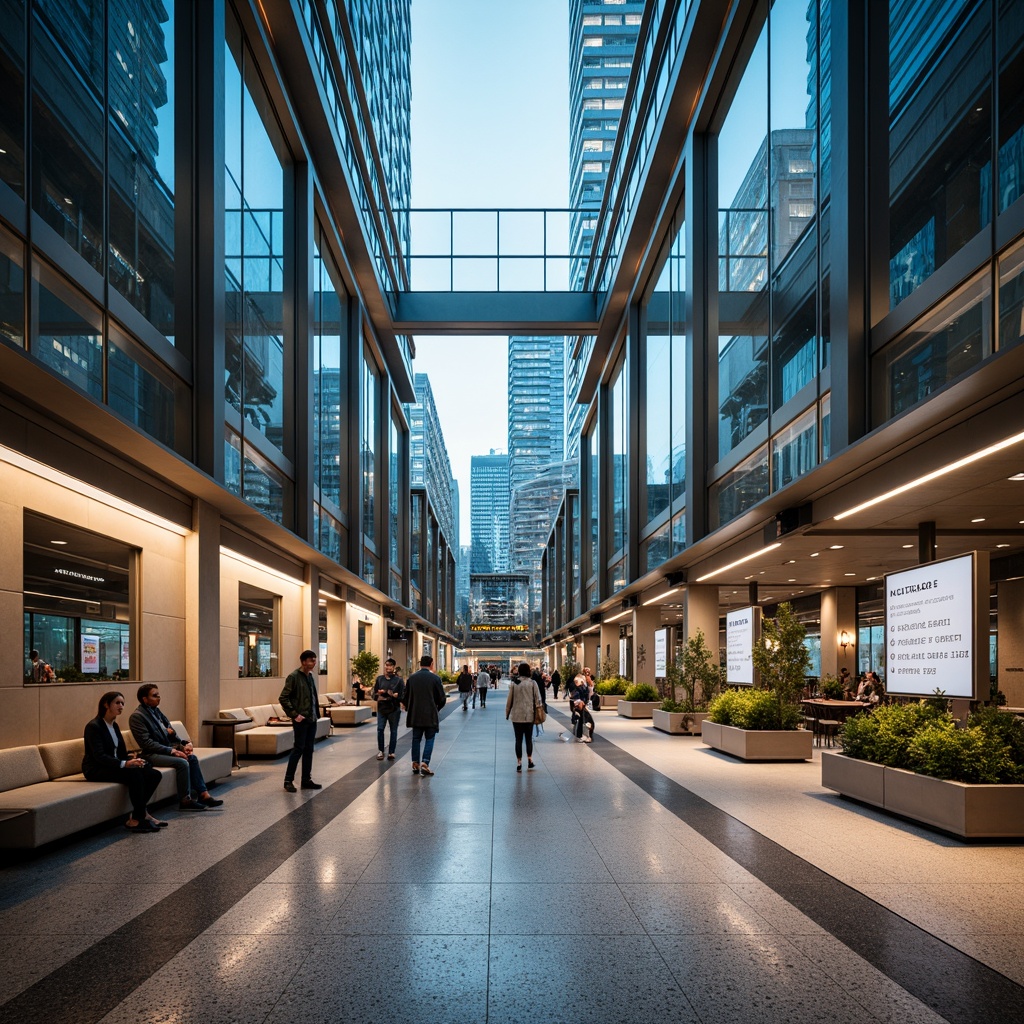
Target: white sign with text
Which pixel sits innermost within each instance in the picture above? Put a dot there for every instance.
(929, 629)
(740, 633)
(661, 653)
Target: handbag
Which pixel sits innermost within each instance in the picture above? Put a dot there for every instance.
(539, 714)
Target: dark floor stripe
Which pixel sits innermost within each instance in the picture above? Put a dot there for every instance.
(950, 982)
(88, 987)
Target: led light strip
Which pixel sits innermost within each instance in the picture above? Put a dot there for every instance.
(739, 561)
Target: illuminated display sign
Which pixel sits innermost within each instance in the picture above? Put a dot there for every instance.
(498, 627)
(742, 629)
(930, 623)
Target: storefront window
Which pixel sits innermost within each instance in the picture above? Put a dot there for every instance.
(78, 610)
(258, 615)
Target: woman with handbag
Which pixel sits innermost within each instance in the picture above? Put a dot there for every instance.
(521, 707)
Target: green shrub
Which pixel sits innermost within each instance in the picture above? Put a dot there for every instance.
(641, 691)
(674, 707)
(615, 686)
(753, 709)
(924, 738)
(831, 688)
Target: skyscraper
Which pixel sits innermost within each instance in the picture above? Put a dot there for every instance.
(489, 503)
(602, 38)
(429, 465)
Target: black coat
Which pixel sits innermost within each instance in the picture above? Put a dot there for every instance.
(100, 753)
(424, 698)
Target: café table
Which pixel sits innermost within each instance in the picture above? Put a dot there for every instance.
(829, 715)
(224, 734)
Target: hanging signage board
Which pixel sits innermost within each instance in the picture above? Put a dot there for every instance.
(933, 625)
(742, 631)
(90, 654)
(661, 653)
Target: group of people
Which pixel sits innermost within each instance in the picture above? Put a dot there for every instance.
(107, 760)
(472, 686)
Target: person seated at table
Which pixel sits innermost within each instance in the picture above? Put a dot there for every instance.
(106, 760)
(862, 687)
(844, 678)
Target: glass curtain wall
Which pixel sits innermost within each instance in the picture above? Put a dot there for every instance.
(330, 316)
(395, 493)
(773, 275)
(369, 405)
(255, 273)
(664, 406)
(618, 535)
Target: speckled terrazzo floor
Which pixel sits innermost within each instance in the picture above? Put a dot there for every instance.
(640, 878)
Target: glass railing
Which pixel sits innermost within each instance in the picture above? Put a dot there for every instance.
(489, 250)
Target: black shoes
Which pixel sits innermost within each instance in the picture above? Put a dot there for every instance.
(290, 786)
(310, 784)
(191, 805)
(211, 802)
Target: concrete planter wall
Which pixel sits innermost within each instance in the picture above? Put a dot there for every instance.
(679, 723)
(973, 811)
(609, 701)
(759, 744)
(637, 708)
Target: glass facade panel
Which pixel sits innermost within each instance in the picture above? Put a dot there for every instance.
(619, 461)
(12, 290)
(328, 531)
(743, 256)
(1011, 298)
(658, 396)
(254, 248)
(795, 449)
(369, 405)
(594, 501)
(1010, 37)
(937, 350)
(68, 334)
(940, 116)
(67, 124)
(739, 489)
(395, 491)
(330, 314)
(141, 157)
(657, 548)
(262, 485)
(826, 426)
(146, 394)
(12, 88)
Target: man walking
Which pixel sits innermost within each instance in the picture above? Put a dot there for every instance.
(465, 684)
(163, 748)
(483, 680)
(389, 693)
(424, 698)
(300, 703)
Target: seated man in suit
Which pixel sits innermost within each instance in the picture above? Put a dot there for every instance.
(160, 745)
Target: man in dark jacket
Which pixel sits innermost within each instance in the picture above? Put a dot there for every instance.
(389, 693)
(466, 687)
(424, 698)
(163, 748)
(301, 705)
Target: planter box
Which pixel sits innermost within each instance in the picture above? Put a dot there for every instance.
(862, 780)
(679, 723)
(609, 701)
(972, 811)
(759, 744)
(637, 708)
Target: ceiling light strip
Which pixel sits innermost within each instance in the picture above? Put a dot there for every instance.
(739, 561)
(935, 474)
(661, 597)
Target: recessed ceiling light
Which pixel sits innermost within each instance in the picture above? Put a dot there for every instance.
(1016, 476)
(815, 554)
(68, 200)
(978, 520)
(908, 545)
(792, 561)
(59, 543)
(835, 547)
(1002, 545)
(849, 574)
(792, 581)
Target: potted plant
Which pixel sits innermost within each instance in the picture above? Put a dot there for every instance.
(916, 761)
(365, 666)
(698, 677)
(610, 690)
(639, 701)
(831, 688)
(761, 724)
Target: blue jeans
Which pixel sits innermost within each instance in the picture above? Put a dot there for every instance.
(304, 734)
(187, 774)
(392, 718)
(427, 735)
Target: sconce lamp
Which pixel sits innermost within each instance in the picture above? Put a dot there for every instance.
(252, 639)
(844, 640)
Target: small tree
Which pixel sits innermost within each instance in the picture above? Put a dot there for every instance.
(700, 674)
(365, 665)
(782, 660)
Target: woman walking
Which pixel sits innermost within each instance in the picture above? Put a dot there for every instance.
(523, 699)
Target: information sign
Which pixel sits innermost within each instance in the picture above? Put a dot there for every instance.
(742, 628)
(661, 653)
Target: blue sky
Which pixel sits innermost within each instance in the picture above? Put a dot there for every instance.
(490, 128)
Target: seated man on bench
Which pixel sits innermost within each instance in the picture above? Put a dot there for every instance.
(160, 745)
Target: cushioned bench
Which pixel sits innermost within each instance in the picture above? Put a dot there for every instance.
(345, 712)
(258, 739)
(44, 795)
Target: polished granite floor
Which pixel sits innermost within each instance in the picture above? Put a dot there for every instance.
(642, 877)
